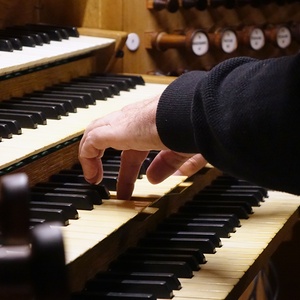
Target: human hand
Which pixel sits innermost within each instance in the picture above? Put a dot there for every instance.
(133, 130)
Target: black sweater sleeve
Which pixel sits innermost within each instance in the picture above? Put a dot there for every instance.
(243, 116)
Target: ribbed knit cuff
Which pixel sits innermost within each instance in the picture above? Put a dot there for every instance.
(173, 117)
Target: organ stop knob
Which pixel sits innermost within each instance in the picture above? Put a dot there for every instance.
(279, 35)
(252, 36)
(225, 39)
(197, 41)
(171, 5)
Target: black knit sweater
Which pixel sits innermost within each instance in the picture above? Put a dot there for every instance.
(243, 116)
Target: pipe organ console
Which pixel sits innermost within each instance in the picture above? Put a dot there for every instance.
(65, 63)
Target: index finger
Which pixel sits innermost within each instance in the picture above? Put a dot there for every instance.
(131, 162)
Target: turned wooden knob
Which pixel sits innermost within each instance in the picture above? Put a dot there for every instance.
(197, 41)
(252, 37)
(279, 35)
(170, 5)
(225, 40)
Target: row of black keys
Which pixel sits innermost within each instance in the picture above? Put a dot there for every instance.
(59, 199)
(31, 35)
(177, 247)
(59, 100)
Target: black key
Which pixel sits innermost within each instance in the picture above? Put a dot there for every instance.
(211, 196)
(50, 112)
(171, 280)
(13, 125)
(241, 203)
(50, 215)
(22, 31)
(137, 79)
(35, 221)
(6, 45)
(180, 269)
(204, 245)
(95, 93)
(15, 44)
(37, 116)
(175, 219)
(43, 35)
(121, 85)
(231, 182)
(189, 259)
(68, 208)
(5, 131)
(110, 173)
(85, 295)
(113, 166)
(220, 229)
(106, 90)
(78, 100)
(212, 236)
(74, 178)
(79, 201)
(232, 219)
(26, 40)
(115, 160)
(69, 104)
(25, 120)
(126, 80)
(71, 30)
(236, 189)
(60, 107)
(92, 194)
(86, 96)
(261, 190)
(239, 211)
(110, 182)
(159, 289)
(113, 87)
(53, 33)
(106, 173)
(198, 255)
(102, 191)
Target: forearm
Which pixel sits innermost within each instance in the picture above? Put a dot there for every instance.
(242, 116)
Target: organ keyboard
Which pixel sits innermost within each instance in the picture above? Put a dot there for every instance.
(227, 272)
(33, 141)
(52, 52)
(99, 236)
